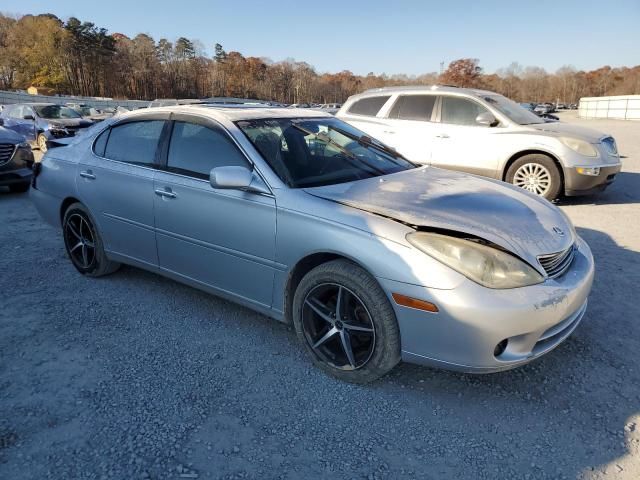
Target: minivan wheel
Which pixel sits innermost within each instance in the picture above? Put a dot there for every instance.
(346, 323)
(537, 174)
(42, 142)
(84, 244)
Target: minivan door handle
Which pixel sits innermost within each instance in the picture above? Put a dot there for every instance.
(442, 135)
(166, 193)
(88, 174)
(390, 132)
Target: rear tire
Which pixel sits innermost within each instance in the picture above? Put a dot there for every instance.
(362, 321)
(83, 243)
(536, 173)
(19, 187)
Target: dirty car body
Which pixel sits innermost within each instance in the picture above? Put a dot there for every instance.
(253, 244)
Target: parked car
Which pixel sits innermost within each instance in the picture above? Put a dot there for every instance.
(374, 259)
(39, 123)
(532, 108)
(484, 133)
(89, 112)
(16, 160)
(542, 108)
(331, 108)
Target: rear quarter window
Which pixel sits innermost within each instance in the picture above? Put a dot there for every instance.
(369, 106)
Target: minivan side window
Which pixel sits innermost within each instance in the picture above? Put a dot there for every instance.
(368, 106)
(195, 149)
(413, 107)
(134, 142)
(460, 111)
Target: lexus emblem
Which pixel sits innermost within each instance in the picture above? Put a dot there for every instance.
(558, 230)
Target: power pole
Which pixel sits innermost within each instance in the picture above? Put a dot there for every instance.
(441, 67)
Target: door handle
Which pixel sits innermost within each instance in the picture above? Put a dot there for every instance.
(390, 132)
(165, 193)
(442, 135)
(88, 174)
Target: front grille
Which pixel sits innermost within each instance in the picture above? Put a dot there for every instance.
(610, 145)
(555, 264)
(6, 152)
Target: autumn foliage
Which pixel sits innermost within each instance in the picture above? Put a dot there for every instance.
(75, 57)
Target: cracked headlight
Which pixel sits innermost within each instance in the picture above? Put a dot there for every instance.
(485, 265)
(580, 146)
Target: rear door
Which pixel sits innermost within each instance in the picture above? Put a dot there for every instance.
(364, 115)
(410, 128)
(116, 183)
(459, 142)
(224, 239)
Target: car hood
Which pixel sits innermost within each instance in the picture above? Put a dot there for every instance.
(562, 129)
(433, 198)
(70, 122)
(9, 136)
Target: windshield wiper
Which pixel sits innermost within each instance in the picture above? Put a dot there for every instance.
(323, 137)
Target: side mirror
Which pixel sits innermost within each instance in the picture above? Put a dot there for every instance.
(28, 117)
(487, 119)
(237, 178)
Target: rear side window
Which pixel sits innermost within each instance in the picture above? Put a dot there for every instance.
(460, 111)
(368, 106)
(101, 142)
(134, 142)
(413, 107)
(195, 149)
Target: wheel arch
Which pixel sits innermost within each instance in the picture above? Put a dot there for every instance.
(66, 203)
(304, 266)
(522, 153)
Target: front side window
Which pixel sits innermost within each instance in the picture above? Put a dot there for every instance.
(134, 142)
(413, 107)
(460, 111)
(56, 112)
(195, 149)
(368, 106)
(311, 152)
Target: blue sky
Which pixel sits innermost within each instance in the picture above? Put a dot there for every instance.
(398, 36)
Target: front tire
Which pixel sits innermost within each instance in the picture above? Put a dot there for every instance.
(346, 323)
(538, 174)
(83, 243)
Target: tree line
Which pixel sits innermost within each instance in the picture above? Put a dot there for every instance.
(80, 58)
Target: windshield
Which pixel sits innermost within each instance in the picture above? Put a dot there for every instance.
(311, 152)
(56, 112)
(511, 109)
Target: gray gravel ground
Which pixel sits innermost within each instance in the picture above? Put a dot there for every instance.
(135, 376)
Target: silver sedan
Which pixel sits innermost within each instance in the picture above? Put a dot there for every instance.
(304, 218)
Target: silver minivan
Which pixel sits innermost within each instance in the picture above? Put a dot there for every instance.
(484, 133)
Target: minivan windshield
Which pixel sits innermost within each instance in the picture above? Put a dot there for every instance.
(311, 152)
(55, 112)
(511, 109)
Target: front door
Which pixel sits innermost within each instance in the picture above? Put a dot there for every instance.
(459, 143)
(224, 239)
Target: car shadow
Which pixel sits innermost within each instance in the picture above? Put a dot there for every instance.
(577, 403)
(625, 189)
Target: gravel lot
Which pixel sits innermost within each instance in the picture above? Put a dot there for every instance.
(135, 376)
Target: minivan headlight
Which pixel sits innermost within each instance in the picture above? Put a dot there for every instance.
(580, 146)
(485, 265)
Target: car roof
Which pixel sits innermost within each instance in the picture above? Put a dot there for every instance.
(235, 112)
(425, 89)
